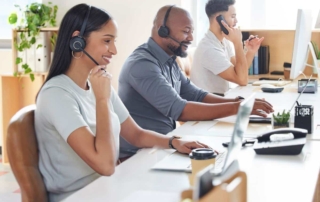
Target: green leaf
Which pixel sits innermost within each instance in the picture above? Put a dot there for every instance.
(34, 7)
(282, 118)
(28, 70)
(31, 77)
(25, 66)
(18, 60)
(46, 17)
(13, 18)
(32, 27)
(36, 20)
(53, 22)
(39, 46)
(33, 40)
(15, 74)
(22, 36)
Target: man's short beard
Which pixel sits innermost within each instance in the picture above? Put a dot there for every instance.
(178, 51)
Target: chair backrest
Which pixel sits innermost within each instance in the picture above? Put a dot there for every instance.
(186, 63)
(22, 148)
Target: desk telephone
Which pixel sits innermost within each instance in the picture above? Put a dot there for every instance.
(282, 141)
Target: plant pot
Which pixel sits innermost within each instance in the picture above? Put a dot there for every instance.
(280, 120)
(276, 125)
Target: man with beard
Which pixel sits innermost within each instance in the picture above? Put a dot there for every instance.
(220, 58)
(157, 93)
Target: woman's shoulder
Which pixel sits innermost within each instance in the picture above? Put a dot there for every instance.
(60, 80)
(55, 87)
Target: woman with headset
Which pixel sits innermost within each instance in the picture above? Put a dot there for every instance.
(79, 116)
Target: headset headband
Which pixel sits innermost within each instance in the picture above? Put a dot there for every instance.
(167, 15)
(85, 22)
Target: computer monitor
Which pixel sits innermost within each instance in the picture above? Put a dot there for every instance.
(317, 26)
(238, 131)
(301, 42)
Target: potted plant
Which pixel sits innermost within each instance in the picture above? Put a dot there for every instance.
(29, 21)
(317, 53)
(281, 120)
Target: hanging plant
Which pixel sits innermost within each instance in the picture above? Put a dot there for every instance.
(29, 21)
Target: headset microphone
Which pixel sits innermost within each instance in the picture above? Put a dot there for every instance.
(180, 43)
(164, 31)
(85, 52)
(78, 43)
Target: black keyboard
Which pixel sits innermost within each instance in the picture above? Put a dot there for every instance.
(254, 119)
(268, 78)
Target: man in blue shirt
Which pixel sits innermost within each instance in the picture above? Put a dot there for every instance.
(157, 93)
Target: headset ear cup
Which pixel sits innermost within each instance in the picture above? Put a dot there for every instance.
(163, 32)
(77, 44)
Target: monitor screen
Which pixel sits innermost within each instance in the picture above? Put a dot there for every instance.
(240, 127)
(301, 42)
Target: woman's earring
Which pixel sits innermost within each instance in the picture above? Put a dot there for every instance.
(72, 53)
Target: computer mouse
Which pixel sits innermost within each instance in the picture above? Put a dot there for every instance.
(269, 88)
(266, 85)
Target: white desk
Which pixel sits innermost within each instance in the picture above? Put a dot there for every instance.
(270, 178)
(280, 101)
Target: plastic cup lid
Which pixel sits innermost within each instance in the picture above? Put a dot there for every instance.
(202, 153)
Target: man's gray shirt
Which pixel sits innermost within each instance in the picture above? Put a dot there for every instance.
(154, 90)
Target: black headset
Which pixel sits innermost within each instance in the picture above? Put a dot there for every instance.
(164, 31)
(78, 43)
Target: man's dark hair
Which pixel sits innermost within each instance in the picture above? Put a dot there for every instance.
(214, 6)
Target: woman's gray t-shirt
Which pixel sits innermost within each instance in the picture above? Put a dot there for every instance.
(63, 107)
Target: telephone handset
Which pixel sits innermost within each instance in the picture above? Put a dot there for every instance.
(276, 142)
(296, 132)
(219, 19)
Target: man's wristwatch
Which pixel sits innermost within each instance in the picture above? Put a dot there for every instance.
(239, 98)
(171, 139)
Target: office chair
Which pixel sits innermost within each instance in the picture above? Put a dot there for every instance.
(22, 149)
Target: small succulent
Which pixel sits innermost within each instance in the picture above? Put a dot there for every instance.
(282, 118)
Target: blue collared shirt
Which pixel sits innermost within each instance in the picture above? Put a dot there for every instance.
(154, 90)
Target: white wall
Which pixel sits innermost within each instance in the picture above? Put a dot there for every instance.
(273, 14)
(200, 19)
(134, 18)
